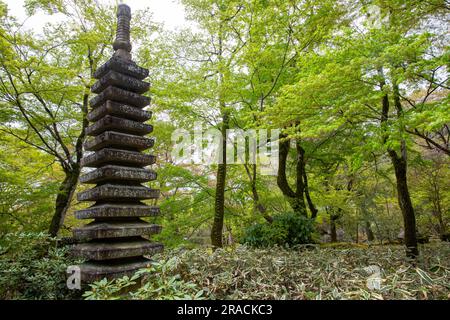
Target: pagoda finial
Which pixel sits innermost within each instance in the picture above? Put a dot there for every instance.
(122, 44)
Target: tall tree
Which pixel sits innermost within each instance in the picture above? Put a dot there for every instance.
(45, 84)
(278, 33)
(215, 58)
(365, 79)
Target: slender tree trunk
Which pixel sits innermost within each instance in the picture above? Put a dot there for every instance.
(333, 232)
(219, 204)
(436, 199)
(379, 233)
(257, 205)
(303, 183)
(404, 200)
(69, 185)
(63, 200)
(400, 167)
(442, 230)
(219, 207)
(299, 173)
(295, 198)
(369, 232)
(230, 239)
(311, 205)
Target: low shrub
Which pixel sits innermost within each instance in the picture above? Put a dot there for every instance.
(32, 266)
(287, 229)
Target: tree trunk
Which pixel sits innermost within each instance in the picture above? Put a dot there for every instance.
(219, 204)
(333, 232)
(300, 185)
(260, 207)
(257, 205)
(404, 200)
(230, 239)
(295, 198)
(400, 167)
(369, 233)
(379, 233)
(303, 183)
(442, 229)
(436, 199)
(63, 200)
(311, 205)
(69, 185)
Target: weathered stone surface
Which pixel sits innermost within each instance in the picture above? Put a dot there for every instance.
(123, 66)
(119, 109)
(118, 140)
(117, 157)
(110, 269)
(110, 123)
(118, 192)
(113, 250)
(116, 79)
(115, 229)
(114, 241)
(119, 95)
(112, 172)
(118, 210)
(122, 45)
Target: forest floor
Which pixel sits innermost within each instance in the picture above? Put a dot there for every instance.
(36, 269)
(317, 272)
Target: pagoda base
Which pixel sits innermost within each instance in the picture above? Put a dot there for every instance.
(97, 270)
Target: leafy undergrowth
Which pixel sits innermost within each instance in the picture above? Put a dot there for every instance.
(33, 266)
(310, 272)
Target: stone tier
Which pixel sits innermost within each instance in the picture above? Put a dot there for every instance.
(119, 95)
(118, 140)
(122, 66)
(116, 79)
(117, 210)
(117, 157)
(111, 123)
(115, 229)
(125, 248)
(117, 192)
(110, 269)
(113, 173)
(119, 110)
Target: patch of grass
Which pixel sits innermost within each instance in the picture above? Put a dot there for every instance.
(315, 272)
(342, 271)
(344, 245)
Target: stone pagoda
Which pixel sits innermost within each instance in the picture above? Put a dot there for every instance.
(114, 243)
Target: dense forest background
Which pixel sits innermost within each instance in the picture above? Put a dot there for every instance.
(358, 88)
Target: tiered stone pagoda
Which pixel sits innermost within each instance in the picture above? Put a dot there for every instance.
(114, 244)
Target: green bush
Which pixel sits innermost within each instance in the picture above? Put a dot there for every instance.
(32, 266)
(287, 229)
